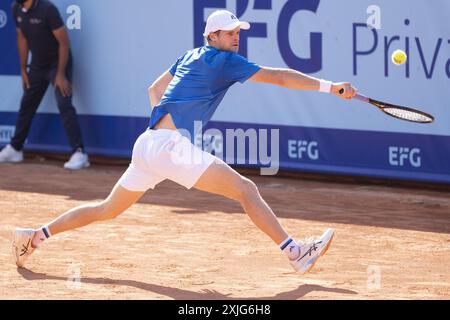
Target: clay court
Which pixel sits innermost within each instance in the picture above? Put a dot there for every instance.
(391, 242)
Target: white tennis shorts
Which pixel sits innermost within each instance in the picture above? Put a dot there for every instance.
(164, 154)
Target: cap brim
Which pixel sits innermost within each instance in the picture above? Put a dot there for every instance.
(243, 24)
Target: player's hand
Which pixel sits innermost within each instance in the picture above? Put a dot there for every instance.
(63, 85)
(25, 81)
(343, 90)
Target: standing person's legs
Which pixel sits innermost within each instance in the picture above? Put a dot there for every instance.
(68, 113)
(31, 99)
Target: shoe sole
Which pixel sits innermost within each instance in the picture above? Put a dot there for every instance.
(324, 250)
(12, 161)
(84, 166)
(13, 250)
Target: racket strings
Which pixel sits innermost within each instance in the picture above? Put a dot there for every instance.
(406, 113)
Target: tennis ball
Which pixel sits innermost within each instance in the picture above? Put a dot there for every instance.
(399, 57)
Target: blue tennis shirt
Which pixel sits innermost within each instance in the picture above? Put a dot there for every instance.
(201, 77)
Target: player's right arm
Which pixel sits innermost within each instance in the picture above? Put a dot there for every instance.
(296, 80)
(157, 89)
(23, 56)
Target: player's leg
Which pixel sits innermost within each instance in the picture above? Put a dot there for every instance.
(192, 167)
(119, 200)
(128, 190)
(26, 240)
(221, 179)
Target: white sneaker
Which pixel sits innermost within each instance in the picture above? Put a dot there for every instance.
(311, 250)
(9, 154)
(78, 160)
(22, 248)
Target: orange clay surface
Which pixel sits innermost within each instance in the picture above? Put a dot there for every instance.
(390, 242)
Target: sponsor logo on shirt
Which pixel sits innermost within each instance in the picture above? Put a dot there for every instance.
(35, 21)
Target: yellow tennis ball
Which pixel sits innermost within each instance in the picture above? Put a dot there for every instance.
(399, 57)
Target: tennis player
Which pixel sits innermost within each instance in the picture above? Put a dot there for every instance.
(190, 92)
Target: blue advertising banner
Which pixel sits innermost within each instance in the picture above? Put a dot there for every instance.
(119, 51)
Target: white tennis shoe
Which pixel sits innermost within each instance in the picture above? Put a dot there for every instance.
(78, 160)
(9, 154)
(21, 246)
(311, 250)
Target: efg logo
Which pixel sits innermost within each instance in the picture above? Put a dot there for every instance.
(310, 64)
(3, 18)
(301, 149)
(401, 156)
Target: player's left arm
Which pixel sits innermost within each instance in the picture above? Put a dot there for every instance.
(292, 79)
(158, 87)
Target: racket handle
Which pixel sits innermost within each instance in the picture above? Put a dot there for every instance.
(358, 96)
(361, 97)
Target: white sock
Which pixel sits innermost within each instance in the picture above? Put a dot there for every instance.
(40, 235)
(290, 248)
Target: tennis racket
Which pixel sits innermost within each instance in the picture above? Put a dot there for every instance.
(399, 112)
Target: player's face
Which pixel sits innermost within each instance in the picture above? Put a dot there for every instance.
(228, 40)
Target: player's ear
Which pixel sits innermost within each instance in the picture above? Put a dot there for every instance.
(214, 35)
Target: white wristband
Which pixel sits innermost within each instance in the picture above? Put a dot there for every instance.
(325, 86)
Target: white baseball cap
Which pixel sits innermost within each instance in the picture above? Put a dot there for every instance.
(223, 20)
